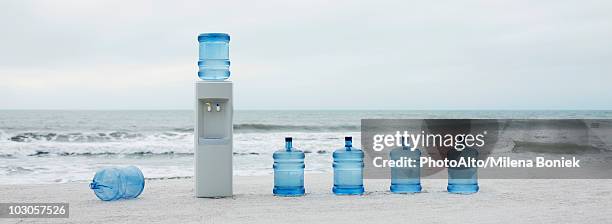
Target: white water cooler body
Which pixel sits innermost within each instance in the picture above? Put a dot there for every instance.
(213, 138)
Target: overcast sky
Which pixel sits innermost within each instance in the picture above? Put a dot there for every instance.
(310, 54)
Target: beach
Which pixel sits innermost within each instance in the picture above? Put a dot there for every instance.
(50, 157)
(173, 201)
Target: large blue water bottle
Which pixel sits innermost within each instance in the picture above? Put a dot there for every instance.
(288, 171)
(214, 56)
(118, 183)
(406, 179)
(463, 179)
(348, 169)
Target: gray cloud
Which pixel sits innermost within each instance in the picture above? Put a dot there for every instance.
(310, 55)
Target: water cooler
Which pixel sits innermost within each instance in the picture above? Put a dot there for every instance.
(214, 113)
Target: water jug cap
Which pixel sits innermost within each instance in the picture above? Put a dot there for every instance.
(213, 37)
(348, 138)
(288, 139)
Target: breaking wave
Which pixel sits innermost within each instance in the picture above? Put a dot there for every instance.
(309, 128)
(88, 137)
(254, 127)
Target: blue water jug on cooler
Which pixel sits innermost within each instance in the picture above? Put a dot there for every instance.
(288, 171)
(406, 179)
(214, 56)
(118, 183)
(463, 180)
(348, 169)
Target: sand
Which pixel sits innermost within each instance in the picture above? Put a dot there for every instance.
(172, 201)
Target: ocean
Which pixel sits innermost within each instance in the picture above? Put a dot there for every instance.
(38, 146)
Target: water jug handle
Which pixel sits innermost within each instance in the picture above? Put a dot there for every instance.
(95, 185)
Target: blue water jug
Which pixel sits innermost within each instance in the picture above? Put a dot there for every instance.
(118, 183)
(406, 179)
(348, 169)
(288, 171)
(463, 180)
(214, 56)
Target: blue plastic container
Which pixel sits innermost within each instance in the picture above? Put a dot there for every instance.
(405, 179)
(118, 183)
(214, 56)
(348, 169)
(288, 171)
(463, 180)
